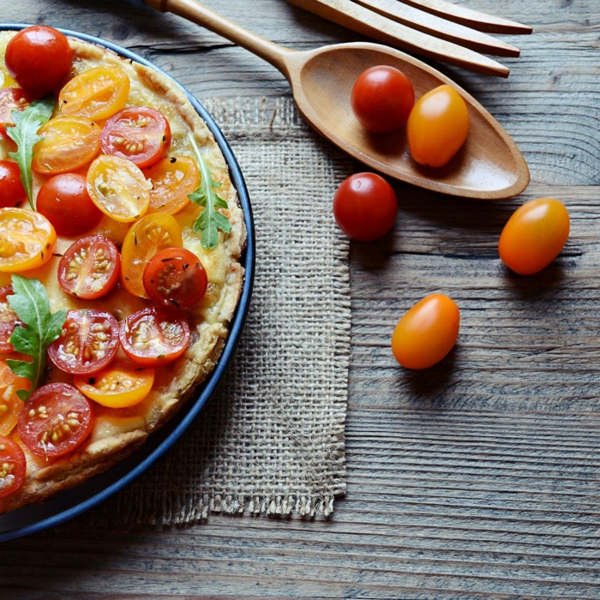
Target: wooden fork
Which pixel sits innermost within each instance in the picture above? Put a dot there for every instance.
(423, 30)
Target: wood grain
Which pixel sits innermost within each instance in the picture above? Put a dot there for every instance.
(479, 479)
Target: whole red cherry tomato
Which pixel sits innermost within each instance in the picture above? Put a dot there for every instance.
(382, 98)
(534, 235)
(365, 206)
(437, 126)
(39, 58)
(65, 202)
(11, 188)
(426, 332)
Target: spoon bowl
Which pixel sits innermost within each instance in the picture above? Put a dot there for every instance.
(488, 166)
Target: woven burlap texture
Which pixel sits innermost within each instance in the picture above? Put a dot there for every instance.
(271, 440)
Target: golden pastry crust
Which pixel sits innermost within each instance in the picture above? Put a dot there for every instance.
(117, 432)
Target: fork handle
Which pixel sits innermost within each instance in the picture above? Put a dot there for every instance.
(198, 13)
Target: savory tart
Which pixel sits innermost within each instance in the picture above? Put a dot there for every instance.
(120, 244)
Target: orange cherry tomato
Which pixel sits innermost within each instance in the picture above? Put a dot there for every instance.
(426, 332)
(118, 188)
(67, 144)
(27, 240)
(10, 403)
(11, 99)
(143, 240)
(95, 94)
(118, 386)
(437, 126)
(534, 235)
(173, 180)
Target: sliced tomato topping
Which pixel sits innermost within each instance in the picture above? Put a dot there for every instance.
(151, 338)
(27, 240)
(8, 322)
(118, 386)
(95, 94)
(11, 99)
(89, 269)
(175, 279)
(173, 180)
(118, 188)
(10, 403)
(12, 467)
(56, 420)
(64, 201)
(138, 133)
(145, 238)
(88, 343)
(67, 144)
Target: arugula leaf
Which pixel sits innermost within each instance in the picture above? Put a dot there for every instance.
(25, 134)
(210, 220)
(30, 301)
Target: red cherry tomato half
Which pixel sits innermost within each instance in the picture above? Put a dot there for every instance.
(8, 321)
(12, 192)
(382, 98)
(174, 278)
(89, 269)
(39, 58)
(88, 343)
(365, 206)
(12, 467)
(534, 235)
(56, 419)
(65, 202)
(426, 333)
(11, 99)
(153, 339)
(138, 133)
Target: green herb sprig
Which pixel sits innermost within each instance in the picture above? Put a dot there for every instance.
(210, 220)
(30, 301)
(25, 134)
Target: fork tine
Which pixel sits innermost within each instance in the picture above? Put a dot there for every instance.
(469, 17)
(367, 22)
(449, 30)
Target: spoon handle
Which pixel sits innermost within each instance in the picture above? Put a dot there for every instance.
(202, 15)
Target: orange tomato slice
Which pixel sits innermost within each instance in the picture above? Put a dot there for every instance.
(10, 404)
(96, 94)
(27, 240)
(67, 144)
(118, 386)
(173, 179)
(150, 234)
(118, 188)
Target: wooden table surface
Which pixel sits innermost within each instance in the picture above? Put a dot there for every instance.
(477, 479)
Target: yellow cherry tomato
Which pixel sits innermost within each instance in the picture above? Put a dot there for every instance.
(27, 240)
(437, 126)
(95, 94)
(173, 180)
(534, 235)
(10, 403)
(118, 188)
(426, 332)
(150, 234)
(117, 386)
(67, 144)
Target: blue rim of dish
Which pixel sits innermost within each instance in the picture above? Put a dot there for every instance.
(190, 413)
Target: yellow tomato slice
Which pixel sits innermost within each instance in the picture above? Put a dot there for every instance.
(27, 240)
(96, 94)
(67, 144)
(118, 188)
(117, 386)
(150, 234)
(10, 404)
(173, 179)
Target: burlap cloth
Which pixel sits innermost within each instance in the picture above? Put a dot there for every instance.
(271, 440)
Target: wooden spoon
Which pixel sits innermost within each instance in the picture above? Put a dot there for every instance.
(489, 166)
